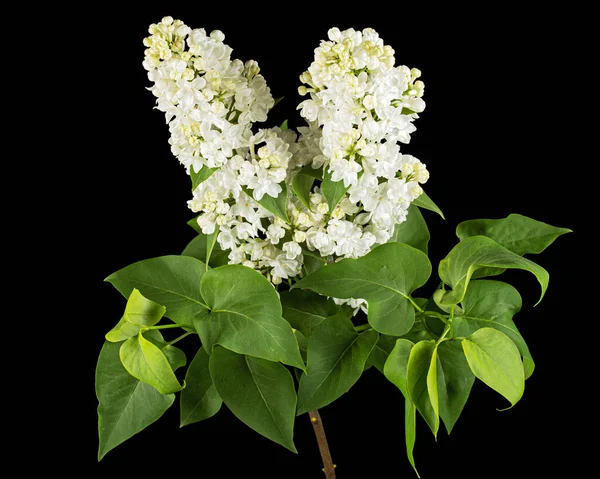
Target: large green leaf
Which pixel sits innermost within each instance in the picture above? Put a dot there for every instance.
(200, 399)
(199, 247)
(145, 361)
(435, 376)
(519, 234)
(203, 175)
(413, 231)
(172, 281)
(333, 191)
(336, 360)
(260, 393)
(417, 371)
(125, 405)
(277, 206)
(305, 310)
(246, 316)
(455, 381)
(425, 202)
(478, 252)
(492, 304)
(495, 359)
(139, 312)
(302, 185)
(385, 277)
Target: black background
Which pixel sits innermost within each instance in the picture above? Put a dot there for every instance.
(497, 136)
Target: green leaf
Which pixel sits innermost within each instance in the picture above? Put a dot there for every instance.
(200, 399)
(395, 371)
(139, 312)
(517, 233)
(385, 277)
(277, 206)
(495, 360)
(199, 247)
(277, 100)
(193, 223)
(211, 242)
(478, 252)
(146, 362)
(333, 191)
(259, 393)
(455, 381)
(302, 185)
(203, 175)
(312, 261)
(284, 125)
(410, 432)
(336, 360)
(413, 231)
(168, 280)
(125, 405)
(419, 362)
(434, 375)
(423, 201)
(246, 316)
(492, 304)
(305, 310)
(379, 354)
(396, 364)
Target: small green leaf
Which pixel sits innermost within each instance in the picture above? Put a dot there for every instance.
(211, 242)
(277, 100)
(146, 362)
(139, 312)
(333, 191)
(200, 399)
(455, 381)
(305, 310)
(396, 364)
(284, 125)
(203, 175)
(381, 351)
(495, 360)
(423, 201)
(125, 405)
(312, 261)
(168, 280)
(478, 252)
(492, 304)
(193, 223)
(277, 206)
(413, 231)
(419, 362)
(410, 432)
(336, 360)
(259, 393)
(302, 185)
(246, 316)
(199, 247)
(434, 374)
(517, 233)
(385, 277)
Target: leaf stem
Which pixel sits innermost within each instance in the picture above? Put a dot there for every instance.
(362, 327)
(164, 326)
(415, 305)
(433, 314)
(329, 466)
(180, 337)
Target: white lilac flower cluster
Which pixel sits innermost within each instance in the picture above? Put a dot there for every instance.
(360, 107)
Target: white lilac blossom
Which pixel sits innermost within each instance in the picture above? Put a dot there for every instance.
(360, 107)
